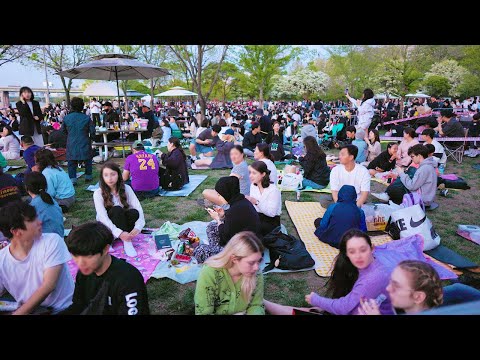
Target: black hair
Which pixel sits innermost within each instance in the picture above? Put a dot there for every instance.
(238, 147)
(410, 131)
(390, 145)
(367, 94)
(344, 273)
(89, 239)
(418, 149)
(476, 116)
(352, 150)
(311, 146)
(261, 167)
(26, 88)
(255, 125)
(217, 128)
(447, 113)
(77, 104)
(351, 128)
(429, 132)
(376, 134)
(45, 158)
(430, 148)
(27, 140)
(264, 148)
(36, 183)
(13, 216)
(10, 131)
(176, 142)
(166, 123)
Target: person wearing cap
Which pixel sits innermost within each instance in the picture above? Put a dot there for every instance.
(448, 126)
(142, 167)
(251, 139)
(110, 116)
(148, 114)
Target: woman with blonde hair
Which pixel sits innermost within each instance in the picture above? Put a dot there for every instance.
(229, 283)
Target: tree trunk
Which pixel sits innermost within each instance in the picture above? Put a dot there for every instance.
(261, 96)
(203, 106)
(152, 91)
(400, 112)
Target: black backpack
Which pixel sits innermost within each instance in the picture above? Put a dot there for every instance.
(290, 251)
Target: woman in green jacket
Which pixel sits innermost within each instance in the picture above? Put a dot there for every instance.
(229, 283)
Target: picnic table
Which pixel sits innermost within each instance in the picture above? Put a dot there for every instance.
(122, 143)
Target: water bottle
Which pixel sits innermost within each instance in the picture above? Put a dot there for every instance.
(298, 194)
(441, 169)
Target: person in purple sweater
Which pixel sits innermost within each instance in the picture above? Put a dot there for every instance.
(356, 275)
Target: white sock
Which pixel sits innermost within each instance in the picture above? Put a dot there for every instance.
(129, 249)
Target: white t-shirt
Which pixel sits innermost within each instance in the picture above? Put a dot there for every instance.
(93, 109)
(439, 149)
(273, 170)
(270, 202)
(22, 278)
(359, 177)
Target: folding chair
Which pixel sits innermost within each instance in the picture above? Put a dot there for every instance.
(457, 153)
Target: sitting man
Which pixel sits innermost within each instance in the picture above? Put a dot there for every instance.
(205, 142)
(104, 284)
(56, 138)
(350, 173)
(251, 139)
(29, 150)
(34, 265)
(450, 127)
(350, 132)
(143, 168)
(428, 135)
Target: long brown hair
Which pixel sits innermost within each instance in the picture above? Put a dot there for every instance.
(120, 187)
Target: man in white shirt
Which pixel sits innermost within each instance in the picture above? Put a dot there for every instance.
(95, 109)
(439, 155)
(34, 265)
(350, 173)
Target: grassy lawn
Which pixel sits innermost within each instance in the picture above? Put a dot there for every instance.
(169, 297)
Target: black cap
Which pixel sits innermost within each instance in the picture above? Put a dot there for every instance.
(108, 103)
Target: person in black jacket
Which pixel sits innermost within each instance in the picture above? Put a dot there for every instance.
(30, 116)
(176, 173)
(251, 139)
(104, 285)
(57, 138)
(275, 140)
(316, 172)
(241, 216)
(109, 118)
(385, 161)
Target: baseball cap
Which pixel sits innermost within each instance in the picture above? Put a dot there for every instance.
(138, 145)
(146, 103)
(107, 103)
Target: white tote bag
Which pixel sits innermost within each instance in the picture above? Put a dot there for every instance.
(412, 221)
(291, 181)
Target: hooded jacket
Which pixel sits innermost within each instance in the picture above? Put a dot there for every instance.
(424, 181)
(365, 112)
(340, 217)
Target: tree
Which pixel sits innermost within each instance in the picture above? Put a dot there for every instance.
(436, 85)
(452, 71)
(262, 62)
(154, 55)
(59, 58)
(227, 79)
(301, 83)
(10, 53)
(194, 59)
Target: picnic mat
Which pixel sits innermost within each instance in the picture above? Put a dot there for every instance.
(93, 187)
(13, 167)
(144, 262)
(468, 235)
(187, 189)
(204, 167)
(448, 256)
(381, 181)
(303, 214)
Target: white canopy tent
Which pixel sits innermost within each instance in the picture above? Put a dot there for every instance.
(383, 96)
(418, 95)
(102, 89)
(177, 91)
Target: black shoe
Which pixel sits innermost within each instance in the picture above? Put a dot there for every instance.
(64, 208)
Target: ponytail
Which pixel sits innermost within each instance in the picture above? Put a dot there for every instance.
(45, 196)
(36, 183)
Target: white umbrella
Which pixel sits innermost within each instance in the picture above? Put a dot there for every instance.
(418, 95)
(383, 96)
(177, 91)
(102, 89)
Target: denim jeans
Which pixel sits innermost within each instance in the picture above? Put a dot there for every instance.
(72, 169)
(312, 184)
(459, 293)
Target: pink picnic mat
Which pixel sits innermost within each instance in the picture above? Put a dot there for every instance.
(144, 262)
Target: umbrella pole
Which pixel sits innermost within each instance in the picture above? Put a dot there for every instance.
(120, 122)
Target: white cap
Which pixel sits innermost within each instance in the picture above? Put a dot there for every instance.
(146, 103)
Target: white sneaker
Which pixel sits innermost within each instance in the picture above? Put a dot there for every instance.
(381, 196)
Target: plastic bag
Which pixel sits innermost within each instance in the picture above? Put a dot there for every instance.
(377, 215)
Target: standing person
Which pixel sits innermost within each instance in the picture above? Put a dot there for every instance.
(234, 271)
(356, 274)
(403, 159)
(262, 153)
(265, 196)
(316, 173)
(175, 174)
(105, 285)
(30, 115)
(80, 131)
(59, 185)
(374, 145)
(365, 109)
(350, 173)
(11, 143)
(48, 210)
(251, 139)
(143, 168)
(34, 265)
(118, 207)
(95, 109)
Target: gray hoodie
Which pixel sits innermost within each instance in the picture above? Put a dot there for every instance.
(424, 180)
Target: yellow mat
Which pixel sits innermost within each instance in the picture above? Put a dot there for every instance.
(380, 181)
(303, 214)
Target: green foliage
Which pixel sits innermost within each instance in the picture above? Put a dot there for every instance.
(451, 70)
(437, 85)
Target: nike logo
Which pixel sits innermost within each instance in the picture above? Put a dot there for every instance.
(414, 224)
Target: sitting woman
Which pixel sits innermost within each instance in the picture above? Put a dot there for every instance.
(229, 283)
(386, 161)
(192, 128)
(316, 172)
(356, 274)
(11, 144)
(414, 287)
(265, 196)
(241, 216)
(167, 131)
(175, 173)
(403, 159)
(374, 146)
(59, 185)
(340, 217)
(262, 153)
(222, 158)
(118, 207)
(48, 211)
(275, 140)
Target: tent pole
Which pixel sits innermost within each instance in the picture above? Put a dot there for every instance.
(120, 122)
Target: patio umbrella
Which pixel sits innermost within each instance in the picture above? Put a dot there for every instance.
(116, 67)
(102, 89)
(177, 91)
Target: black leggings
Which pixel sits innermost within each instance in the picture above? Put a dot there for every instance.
(267, 223)
(123, 219)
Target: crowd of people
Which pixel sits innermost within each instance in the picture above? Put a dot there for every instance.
(245, 206)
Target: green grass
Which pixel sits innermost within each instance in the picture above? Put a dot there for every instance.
(169, 297)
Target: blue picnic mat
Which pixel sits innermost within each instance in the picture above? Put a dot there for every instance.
(187, 189)
(449, 256)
